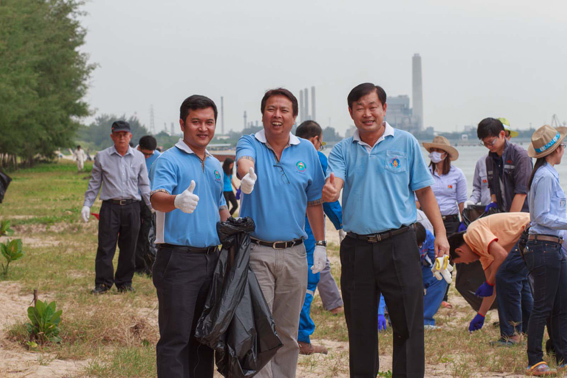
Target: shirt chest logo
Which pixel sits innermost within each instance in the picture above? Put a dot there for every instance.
(395, 163)
(450, 186)
(301, 167)
(217, 175)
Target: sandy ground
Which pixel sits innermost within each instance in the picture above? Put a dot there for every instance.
(15, 361)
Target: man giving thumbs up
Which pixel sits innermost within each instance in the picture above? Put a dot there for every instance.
(183, 177)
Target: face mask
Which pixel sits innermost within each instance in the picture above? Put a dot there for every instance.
(436, 157)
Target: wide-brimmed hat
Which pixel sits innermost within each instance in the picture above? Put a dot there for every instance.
(545, 140)
(506, 125)
(442, 143)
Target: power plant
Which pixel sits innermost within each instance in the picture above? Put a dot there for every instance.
(399, 113)
(304, 114)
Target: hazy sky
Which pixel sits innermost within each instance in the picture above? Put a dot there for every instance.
(480, 58)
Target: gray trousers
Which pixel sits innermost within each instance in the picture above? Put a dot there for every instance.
(282, 275)
(328, 289)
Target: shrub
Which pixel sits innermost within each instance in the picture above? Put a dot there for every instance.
(45, 321)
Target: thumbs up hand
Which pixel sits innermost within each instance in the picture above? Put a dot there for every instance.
(248, 181)
(187, 201)
(330, 192)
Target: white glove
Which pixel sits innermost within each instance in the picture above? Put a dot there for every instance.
(468, 203)
(187, 201)
(342, 235)
(86, 213)
(248, 181)
(442, 269)
(319, 259)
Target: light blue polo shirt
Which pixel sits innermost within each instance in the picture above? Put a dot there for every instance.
(173, 172)
(151, 159)
(379, 186)
(283, 189)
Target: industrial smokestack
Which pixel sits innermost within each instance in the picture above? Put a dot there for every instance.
(313, 115)
(417, 91)
(301, 107)
(306, 99)
(245, 119)
(222, 114)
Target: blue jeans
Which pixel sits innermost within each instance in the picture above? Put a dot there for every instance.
(434, 293)
(306, 324)
(548, 267)
(514, 295)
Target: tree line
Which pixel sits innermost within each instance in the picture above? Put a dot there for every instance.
(43, 78)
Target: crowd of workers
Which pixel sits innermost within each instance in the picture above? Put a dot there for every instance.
(400, 223)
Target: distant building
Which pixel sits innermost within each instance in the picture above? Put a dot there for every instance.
(399, 113)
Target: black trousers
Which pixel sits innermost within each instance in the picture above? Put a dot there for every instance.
(182, 280)
(143, 262)
(231, 198)
(451, 227)
(117, 224)
(391, 267)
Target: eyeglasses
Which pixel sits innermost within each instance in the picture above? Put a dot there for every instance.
(489, 144)
(284, 176)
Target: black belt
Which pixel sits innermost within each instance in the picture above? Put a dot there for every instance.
(375, 238)
(548, 238)
(181, 248)
(278, 244)
(121, 202)
(452, 217)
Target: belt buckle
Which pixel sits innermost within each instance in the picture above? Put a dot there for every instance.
(275, 247)
(374, 238)
(122, 202)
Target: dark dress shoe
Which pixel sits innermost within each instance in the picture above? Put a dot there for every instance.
(100, 289)
(126, 289)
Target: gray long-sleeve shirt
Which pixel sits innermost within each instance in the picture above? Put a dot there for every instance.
(121, 177)
(481, 191)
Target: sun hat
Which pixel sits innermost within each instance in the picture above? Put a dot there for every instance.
(506, 125)
(545, 140)
(442, 143)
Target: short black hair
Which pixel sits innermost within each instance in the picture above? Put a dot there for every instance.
(280, 92)
(420, 233)
(489, 127)
(226, 165)
(455, 241)
(364, 89)
(79, 146)
(308, 129)
(196, 102)
(148, 142)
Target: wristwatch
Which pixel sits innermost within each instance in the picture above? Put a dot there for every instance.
(321, 242)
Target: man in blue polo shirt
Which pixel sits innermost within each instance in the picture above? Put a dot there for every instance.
(380, 168)
(187, 194)
(282, 180)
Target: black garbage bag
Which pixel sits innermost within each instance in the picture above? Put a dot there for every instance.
(151, 250)
(471, 276)
(4, 182)
(236, 321)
